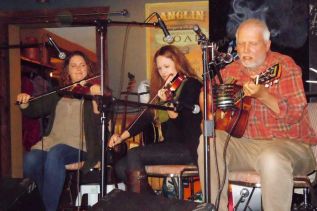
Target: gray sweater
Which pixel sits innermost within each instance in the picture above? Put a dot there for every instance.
(92, 125)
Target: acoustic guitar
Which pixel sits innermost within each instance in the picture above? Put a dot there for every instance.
(234, 119)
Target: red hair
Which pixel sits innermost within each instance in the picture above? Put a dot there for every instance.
(182, 65)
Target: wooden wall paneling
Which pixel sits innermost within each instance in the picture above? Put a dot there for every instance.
(5, 146)
(15, 114)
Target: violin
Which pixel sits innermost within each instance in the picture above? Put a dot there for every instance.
(74, 89)
(170, 89)
(80, 90)
(83, 88)
(173, 85)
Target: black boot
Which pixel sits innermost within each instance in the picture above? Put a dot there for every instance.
(137, 182)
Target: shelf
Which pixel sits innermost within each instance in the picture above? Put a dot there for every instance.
(36, 64)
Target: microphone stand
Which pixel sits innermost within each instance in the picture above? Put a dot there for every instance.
(147, 105)
(109, 101)
(109, 22)
(101, 26)
(208, 125)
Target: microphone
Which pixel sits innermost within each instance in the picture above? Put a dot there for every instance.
(195, 109)
(168, 37)
(225, 57)
(61, 54)
(198, 31)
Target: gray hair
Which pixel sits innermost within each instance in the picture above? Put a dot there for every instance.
(257, 23)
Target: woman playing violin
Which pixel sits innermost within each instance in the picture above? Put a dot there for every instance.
(180, 130)
(64, 140)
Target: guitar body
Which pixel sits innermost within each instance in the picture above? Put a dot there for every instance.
(233, 107)
(234, 121)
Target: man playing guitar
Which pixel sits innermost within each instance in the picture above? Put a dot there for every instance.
(277, 135)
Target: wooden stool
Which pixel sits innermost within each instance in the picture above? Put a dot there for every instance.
(252, 180)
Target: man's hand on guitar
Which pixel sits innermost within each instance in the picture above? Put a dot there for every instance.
(261, 93)
(254, 90)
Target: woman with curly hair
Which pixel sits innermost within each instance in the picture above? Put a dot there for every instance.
(72, 134)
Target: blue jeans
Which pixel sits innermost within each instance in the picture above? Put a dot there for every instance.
(47, 169)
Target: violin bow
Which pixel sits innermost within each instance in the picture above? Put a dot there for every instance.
(145, 109)
(60, 89)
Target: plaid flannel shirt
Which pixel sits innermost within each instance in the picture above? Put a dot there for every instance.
(292, 122)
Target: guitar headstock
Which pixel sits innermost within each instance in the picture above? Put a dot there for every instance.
(270, 76)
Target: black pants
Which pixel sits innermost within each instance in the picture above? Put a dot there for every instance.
(153, 154)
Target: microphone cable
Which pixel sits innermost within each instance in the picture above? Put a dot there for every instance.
(220, 188)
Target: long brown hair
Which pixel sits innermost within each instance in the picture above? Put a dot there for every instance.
(182, 65)
(65, 78)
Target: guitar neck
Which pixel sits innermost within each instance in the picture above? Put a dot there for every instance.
(267, 77)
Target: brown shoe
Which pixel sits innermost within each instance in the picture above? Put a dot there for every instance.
(137, 182)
